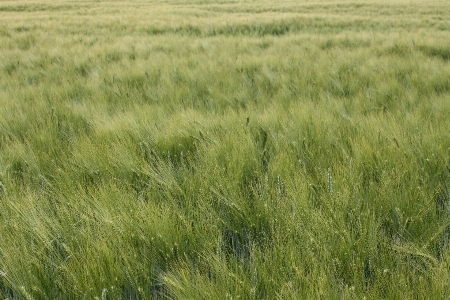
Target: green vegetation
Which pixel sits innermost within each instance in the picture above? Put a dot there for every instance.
(200, 149)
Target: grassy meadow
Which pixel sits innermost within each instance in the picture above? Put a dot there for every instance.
(201, 149)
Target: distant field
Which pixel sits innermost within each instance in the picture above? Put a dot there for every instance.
(225, 149)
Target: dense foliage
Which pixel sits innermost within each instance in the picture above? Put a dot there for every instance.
(224, 149)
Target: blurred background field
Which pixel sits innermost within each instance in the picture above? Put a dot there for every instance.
(224, 149)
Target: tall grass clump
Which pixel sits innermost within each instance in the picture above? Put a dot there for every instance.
(223, 150)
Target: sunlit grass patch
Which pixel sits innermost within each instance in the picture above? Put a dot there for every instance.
(222, 149)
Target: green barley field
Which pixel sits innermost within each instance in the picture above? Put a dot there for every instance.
(225, 149)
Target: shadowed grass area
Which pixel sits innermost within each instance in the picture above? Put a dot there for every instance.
(224, 149)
